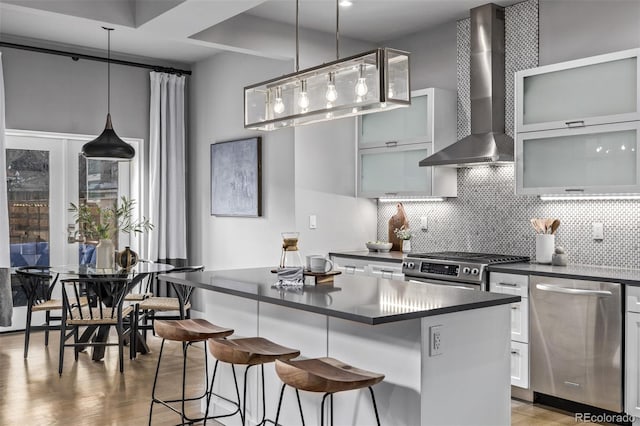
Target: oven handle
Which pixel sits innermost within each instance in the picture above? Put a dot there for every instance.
(441, 283)
(576, 291)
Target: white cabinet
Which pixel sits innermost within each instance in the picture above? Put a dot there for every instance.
(594, 159)
(632, 353)
(577, 126)
(390, 145)
(517, 285)
(596, 90)
(520, 364)
(368, 267)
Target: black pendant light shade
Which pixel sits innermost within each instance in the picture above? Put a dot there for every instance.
(108, 146)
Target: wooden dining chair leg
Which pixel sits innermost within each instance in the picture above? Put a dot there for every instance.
(63, 331)
(120, 346)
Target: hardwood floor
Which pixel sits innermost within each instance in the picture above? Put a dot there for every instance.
(95, 393)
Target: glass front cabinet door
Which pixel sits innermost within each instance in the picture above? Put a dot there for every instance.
(390, 145)
(596, 159)
(577, 126)
(597, 90)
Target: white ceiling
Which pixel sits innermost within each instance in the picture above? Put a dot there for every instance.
(162, 29)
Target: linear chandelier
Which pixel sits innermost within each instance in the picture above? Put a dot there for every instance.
(369, 82)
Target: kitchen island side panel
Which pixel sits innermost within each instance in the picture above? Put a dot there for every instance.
(469, 383)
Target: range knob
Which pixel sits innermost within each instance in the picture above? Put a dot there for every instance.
(411, 265)
(475, 271)
(404, 264)
(466, 270)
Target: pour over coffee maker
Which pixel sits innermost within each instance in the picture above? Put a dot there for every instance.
(290, 272)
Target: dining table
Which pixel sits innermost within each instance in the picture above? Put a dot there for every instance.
(136, 274)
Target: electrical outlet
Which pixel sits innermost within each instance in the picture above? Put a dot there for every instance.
(313, 221)
(435, 340)
(598, 231)
(424, 223)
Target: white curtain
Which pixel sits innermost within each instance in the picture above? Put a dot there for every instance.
(6, 301)
(167, 186)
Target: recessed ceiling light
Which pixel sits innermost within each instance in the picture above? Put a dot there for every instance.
(346, 3)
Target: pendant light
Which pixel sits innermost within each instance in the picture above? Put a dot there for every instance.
(108, 146)
(377, 80)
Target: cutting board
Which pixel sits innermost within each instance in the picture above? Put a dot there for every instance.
(396, 222)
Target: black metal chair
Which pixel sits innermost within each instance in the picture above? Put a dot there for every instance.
(38, 284)
(105, 308)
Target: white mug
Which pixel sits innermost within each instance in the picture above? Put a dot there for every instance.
(318, 263)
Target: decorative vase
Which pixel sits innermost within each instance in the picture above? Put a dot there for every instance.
(127, 258)
(406, 246)
(105, 254)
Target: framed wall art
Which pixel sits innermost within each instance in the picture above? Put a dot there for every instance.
(236, 178)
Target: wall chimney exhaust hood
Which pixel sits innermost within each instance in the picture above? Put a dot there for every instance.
(488, 143)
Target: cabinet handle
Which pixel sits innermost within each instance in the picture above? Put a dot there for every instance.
(390, 194)
(575, 123)
(514, 307)
(514, 352)
(574, 190)
(508, 284)
(391, 144)
(349, 269)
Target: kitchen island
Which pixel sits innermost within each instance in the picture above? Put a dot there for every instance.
(379, 325)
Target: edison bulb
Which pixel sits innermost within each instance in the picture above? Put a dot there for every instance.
(303, 100)
(332, 93)
(278, 106)
(361, 87)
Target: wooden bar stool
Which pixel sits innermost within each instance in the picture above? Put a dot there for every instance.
(326, 375)
(187, 331)
(249, 352)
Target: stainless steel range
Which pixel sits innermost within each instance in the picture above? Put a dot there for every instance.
(460, 269)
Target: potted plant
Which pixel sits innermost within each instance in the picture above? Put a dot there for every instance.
(404, 233)
(101, 225)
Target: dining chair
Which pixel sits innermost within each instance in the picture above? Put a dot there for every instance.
(177, 301)
(38, 284)
(105, 308)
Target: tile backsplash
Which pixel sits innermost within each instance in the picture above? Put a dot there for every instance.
(487, 216)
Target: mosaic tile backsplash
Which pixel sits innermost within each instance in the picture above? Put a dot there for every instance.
(487, 216)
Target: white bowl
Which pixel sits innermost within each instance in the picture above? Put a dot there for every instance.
(384, 247)
(372, 246)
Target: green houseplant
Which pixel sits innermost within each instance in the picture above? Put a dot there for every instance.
(100, 226)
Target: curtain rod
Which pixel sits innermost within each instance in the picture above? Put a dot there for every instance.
(76, 56)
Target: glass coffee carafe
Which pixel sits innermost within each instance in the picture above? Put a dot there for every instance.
(291, 257)
(291, 266)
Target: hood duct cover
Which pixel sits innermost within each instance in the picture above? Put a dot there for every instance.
(488, 142)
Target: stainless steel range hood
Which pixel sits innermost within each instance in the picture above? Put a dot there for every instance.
(488, 142)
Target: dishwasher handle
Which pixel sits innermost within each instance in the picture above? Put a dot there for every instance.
(574, 291)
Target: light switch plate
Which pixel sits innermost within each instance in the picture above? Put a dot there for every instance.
(598, 231)
(313, 221)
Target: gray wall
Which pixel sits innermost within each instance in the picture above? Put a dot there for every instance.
(487, 216)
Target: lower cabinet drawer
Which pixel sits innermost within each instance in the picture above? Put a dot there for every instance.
(520, 321)
(520, 365)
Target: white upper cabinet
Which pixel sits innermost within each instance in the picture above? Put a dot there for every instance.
(596, 159)
(392, 143)
(577, 126)
(597, 90)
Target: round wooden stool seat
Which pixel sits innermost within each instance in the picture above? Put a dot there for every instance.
(249, 351)
(327, 375)
(189, 330)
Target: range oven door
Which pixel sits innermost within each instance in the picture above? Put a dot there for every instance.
(466, 286)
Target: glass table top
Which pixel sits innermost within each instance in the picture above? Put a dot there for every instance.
(140, 268)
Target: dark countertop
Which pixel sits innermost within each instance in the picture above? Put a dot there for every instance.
(356, 298)
(575, 271)
(392, 256)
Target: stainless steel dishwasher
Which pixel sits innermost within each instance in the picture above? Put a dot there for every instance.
(576, 340)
